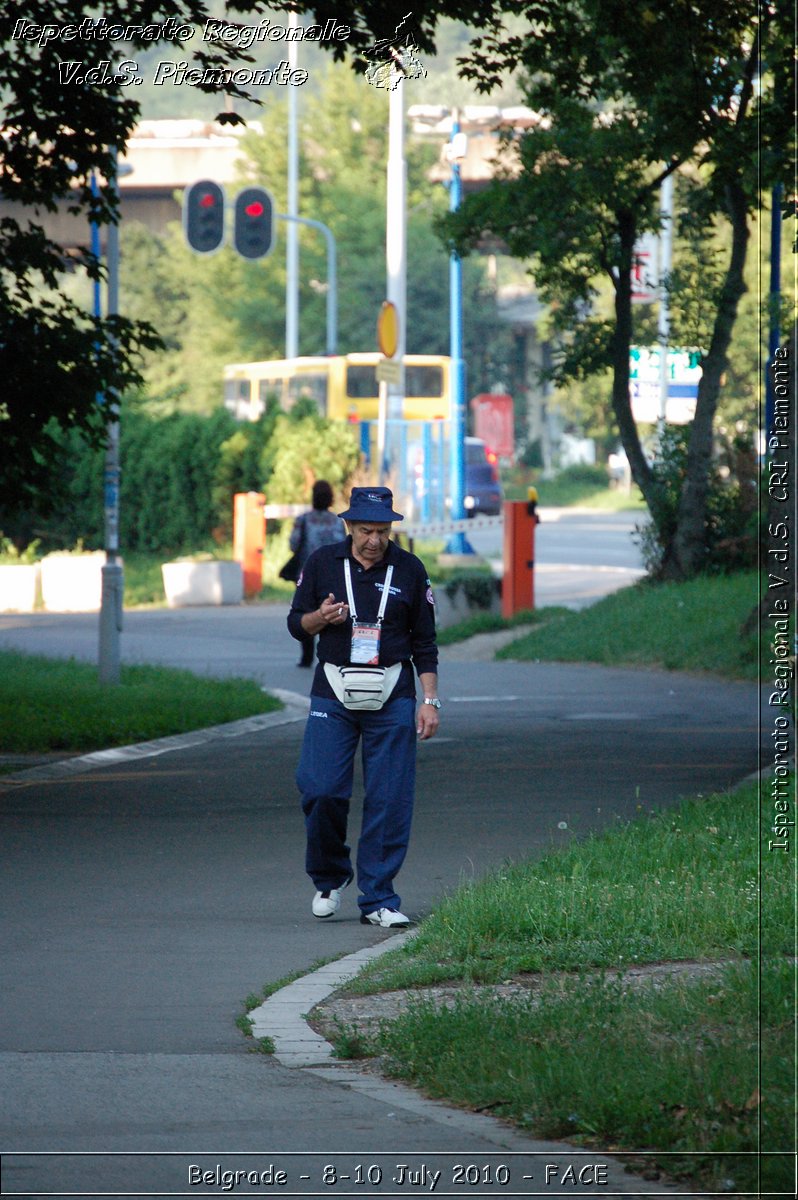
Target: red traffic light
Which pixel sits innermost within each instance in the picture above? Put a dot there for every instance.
(203, 216)
(253, 220)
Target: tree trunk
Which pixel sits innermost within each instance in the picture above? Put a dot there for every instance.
(686, 553)
(622, 344)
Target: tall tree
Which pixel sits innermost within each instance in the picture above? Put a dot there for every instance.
(627, 95)
(66, 107)
(612, 129)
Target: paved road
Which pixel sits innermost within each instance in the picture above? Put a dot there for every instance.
(143, 901)
(580, 555)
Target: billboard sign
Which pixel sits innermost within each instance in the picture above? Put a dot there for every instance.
(684, 373)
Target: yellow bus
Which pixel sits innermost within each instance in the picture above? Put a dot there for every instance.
(344, 386)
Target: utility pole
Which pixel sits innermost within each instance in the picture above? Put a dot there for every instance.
(292, 233)
(458, 543)
(396, 235)
(112, 572)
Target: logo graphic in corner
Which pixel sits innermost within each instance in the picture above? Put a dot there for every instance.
(395, 58)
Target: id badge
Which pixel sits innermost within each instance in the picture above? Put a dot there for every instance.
(365, 643)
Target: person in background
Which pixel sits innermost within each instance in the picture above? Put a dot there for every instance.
(313, 529)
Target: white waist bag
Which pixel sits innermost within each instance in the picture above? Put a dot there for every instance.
(364, 687)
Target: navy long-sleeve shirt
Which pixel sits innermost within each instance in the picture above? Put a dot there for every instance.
(408, 627)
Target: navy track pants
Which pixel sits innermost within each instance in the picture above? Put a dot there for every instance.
(324, 778)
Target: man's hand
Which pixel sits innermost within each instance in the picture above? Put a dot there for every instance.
(427, 721)
(333, 612)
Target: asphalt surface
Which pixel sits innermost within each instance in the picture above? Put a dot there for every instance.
(144, 900)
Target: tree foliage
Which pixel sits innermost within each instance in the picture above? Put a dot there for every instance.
(180, 473)
(222, 309)
(58, 145)
(584, 184)
(628, 94)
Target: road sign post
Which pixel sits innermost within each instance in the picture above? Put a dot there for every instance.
(389, 372)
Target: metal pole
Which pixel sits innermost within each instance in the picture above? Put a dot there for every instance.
(112, 572)
(775, 295)
(292, 238)
(664, 318)
(332, 277)
(458, 543)
(396, 236)
(96, 251)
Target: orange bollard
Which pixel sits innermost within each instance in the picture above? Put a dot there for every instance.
(518, 584)
(249, 538)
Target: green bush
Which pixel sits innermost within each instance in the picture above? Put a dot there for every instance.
(479, 588)
(584, 475)
(731, 526)
(179, 474)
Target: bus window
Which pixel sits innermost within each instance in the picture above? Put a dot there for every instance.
(236, 397)
(423, 381)
(267, 388)
(314, 386)
(361, 382)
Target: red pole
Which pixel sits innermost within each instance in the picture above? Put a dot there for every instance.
(249, 538)
(518, 584)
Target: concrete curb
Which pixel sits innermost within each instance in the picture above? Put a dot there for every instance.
(281, 1016)
(298, 1046)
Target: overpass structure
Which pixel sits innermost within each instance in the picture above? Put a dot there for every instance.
(165, 156)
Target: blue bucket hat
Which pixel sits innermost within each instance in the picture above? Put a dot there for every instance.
(373, 505)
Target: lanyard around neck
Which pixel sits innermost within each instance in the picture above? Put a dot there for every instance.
(386, 591)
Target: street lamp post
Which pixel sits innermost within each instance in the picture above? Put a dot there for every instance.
(112, 571)
(332, 276)
(292, 233)
(458, 543)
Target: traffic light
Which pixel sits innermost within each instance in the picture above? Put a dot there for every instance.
(253, 223)
(203, 216)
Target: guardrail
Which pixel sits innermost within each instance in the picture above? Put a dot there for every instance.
(431, 529)
(281, 512)
(411, 529)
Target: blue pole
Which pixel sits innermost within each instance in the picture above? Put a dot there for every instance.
(458, 543)
(775, 296)
(426, 458)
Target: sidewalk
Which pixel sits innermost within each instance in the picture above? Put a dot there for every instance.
(145, 897)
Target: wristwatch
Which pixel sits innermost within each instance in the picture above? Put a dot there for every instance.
(433, 700)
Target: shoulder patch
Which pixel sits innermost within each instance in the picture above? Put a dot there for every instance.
(430, 597)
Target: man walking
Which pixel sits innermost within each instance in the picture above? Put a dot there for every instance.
(371, 604)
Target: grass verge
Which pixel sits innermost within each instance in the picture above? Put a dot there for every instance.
(697, 1066)
(565, 491)
(53, 704)
(486, 622)
(692, 626)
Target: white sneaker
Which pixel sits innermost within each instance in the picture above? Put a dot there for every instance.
(386, 918)
(326, 904)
